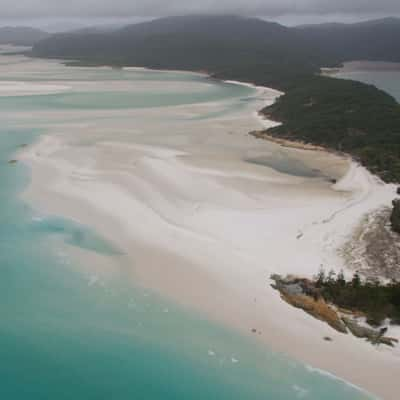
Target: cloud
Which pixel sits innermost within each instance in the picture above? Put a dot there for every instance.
(143, 8)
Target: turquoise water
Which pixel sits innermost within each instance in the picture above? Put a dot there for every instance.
(68, 335)
(118, 100)
(387, 80)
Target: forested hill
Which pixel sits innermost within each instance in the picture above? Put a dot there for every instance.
(343, 115)
(377, 40)
(230, 45)
(214, 44)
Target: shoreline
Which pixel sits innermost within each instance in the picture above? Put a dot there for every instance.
(293, 144)
(232, 297)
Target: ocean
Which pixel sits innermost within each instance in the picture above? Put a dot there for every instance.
(69, 334)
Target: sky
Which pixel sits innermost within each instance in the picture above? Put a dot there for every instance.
(64, 14)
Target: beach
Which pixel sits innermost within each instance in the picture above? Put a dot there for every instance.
(203, 213)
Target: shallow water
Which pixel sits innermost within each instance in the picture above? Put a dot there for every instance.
(67, 334)
(283, 163)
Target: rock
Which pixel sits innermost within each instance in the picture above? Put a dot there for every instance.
(318, 309)
(301, 293)
(360, 331)
(13, 161)
(293, 289)
(310, 289)
(388, 341)
(374, 336)
(398, 190)
(276, 278)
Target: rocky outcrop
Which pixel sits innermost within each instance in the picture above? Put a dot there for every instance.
(303, 294)
(358, 330)
(318, 309)
(375, 336)
(300, 293)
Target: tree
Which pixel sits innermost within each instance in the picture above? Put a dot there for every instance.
(356, 281)
(331, 277)
(321, 277)
(341, 281)
(395, 216)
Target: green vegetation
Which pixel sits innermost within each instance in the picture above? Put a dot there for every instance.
(346, 116)
(377, 301)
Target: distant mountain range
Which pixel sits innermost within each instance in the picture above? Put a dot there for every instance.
(220, 44)
(376, 40)
(191, 42)
(21, 36)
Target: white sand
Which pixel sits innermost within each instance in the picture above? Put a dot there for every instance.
(18, 88)
(207, 229)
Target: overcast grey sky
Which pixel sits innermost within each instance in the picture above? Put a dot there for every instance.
(39, 12)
